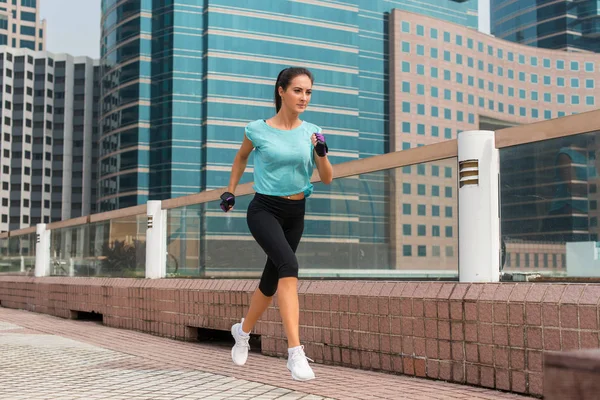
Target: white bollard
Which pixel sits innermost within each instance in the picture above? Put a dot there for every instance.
(156, 240)
(42, 251)
(478, 207)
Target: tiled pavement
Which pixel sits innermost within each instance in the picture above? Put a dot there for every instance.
(43, 357)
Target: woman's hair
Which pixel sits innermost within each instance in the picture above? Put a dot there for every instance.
(285, 77)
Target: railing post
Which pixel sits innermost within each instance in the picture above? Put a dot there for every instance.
(42, 251)
(478, 207)
(156, 240)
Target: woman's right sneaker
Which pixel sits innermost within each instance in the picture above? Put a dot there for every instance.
(298, 365)
(239, 352)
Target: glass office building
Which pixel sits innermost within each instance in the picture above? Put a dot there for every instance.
(558, 25)
(181, 80)
(20, 25)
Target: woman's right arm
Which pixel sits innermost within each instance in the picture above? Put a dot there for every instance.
(239, 164)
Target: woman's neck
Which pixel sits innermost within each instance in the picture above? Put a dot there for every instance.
(286, 120)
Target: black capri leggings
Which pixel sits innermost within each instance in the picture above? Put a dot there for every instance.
(277, 225)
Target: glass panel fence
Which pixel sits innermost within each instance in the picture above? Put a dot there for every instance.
(17, 254)
(115, 248)
(549, 204)
(399, 223)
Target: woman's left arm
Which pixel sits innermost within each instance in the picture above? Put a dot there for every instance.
(323, 165)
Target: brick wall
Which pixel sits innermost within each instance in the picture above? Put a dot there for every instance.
(491, 335)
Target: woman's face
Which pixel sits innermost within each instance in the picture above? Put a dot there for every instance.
(297, 95)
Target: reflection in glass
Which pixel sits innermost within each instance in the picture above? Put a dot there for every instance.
(17, 254)
(396, 223)
(115, 248)
(549, 197)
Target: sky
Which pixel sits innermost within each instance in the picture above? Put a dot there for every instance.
(73, 26)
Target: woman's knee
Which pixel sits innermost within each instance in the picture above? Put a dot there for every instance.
(289, 269)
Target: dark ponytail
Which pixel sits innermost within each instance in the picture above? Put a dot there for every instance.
(285, 77)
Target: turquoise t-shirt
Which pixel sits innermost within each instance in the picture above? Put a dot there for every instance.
(283, 160)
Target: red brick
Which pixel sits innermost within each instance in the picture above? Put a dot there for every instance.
(457, 331)
(485, 333)
(519, 292)
(408, 346)
(418, 310)
(568, 316)
(443, 310)
(420, 369)
(501, 358)
(445, 371)
(536, 293)
(458, 372)
(554, 293)
(408, 365)
(471, 353)
(419, 347)
(570, 340)
(472, 374)
(431, 328)
(501, 335)
(433, 369)
(430, 309)
(550, 315)
(487, 377)
(471, 332)
(590, 295)
(588, 317)
(502, 379)
(589, 340)
(431, 348)
(444, 350)
(418, 327)
(519, 383)
(534, 338)
(516, 313)
(516, 336)
(534, 360)
(535, 383)
(456, 310)
(533, 314)
(458, 351)
(486, 354)
(500, 313)
(517, 359)
(551, 339)
(471, 311)
(406, 307)
(572, 294)
(485, 312)
(473, 292)
(443, 330)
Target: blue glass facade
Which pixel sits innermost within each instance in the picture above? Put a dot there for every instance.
(181, 80)
(562, 25)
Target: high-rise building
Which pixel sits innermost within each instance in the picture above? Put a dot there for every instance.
(447, 78)
(559, 25)
(20, 24)
(181, 80)
(49, 128)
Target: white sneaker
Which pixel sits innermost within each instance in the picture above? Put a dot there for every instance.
(239, 352)
(298, 365)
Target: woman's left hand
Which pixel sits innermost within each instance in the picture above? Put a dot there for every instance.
(318, 142)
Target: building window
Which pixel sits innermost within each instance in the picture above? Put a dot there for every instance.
(420, 30)
(422, 251)
(435, 231)
(574, 65)
(407, 230)
(435, 211)
(405, 26)
(574, 83)
(589, 83)
(589, 67)
(407, 250)
(433, 33)
(589, 100)
(406, 209)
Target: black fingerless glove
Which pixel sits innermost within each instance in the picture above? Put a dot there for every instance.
(321, 147)
(227, 201)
